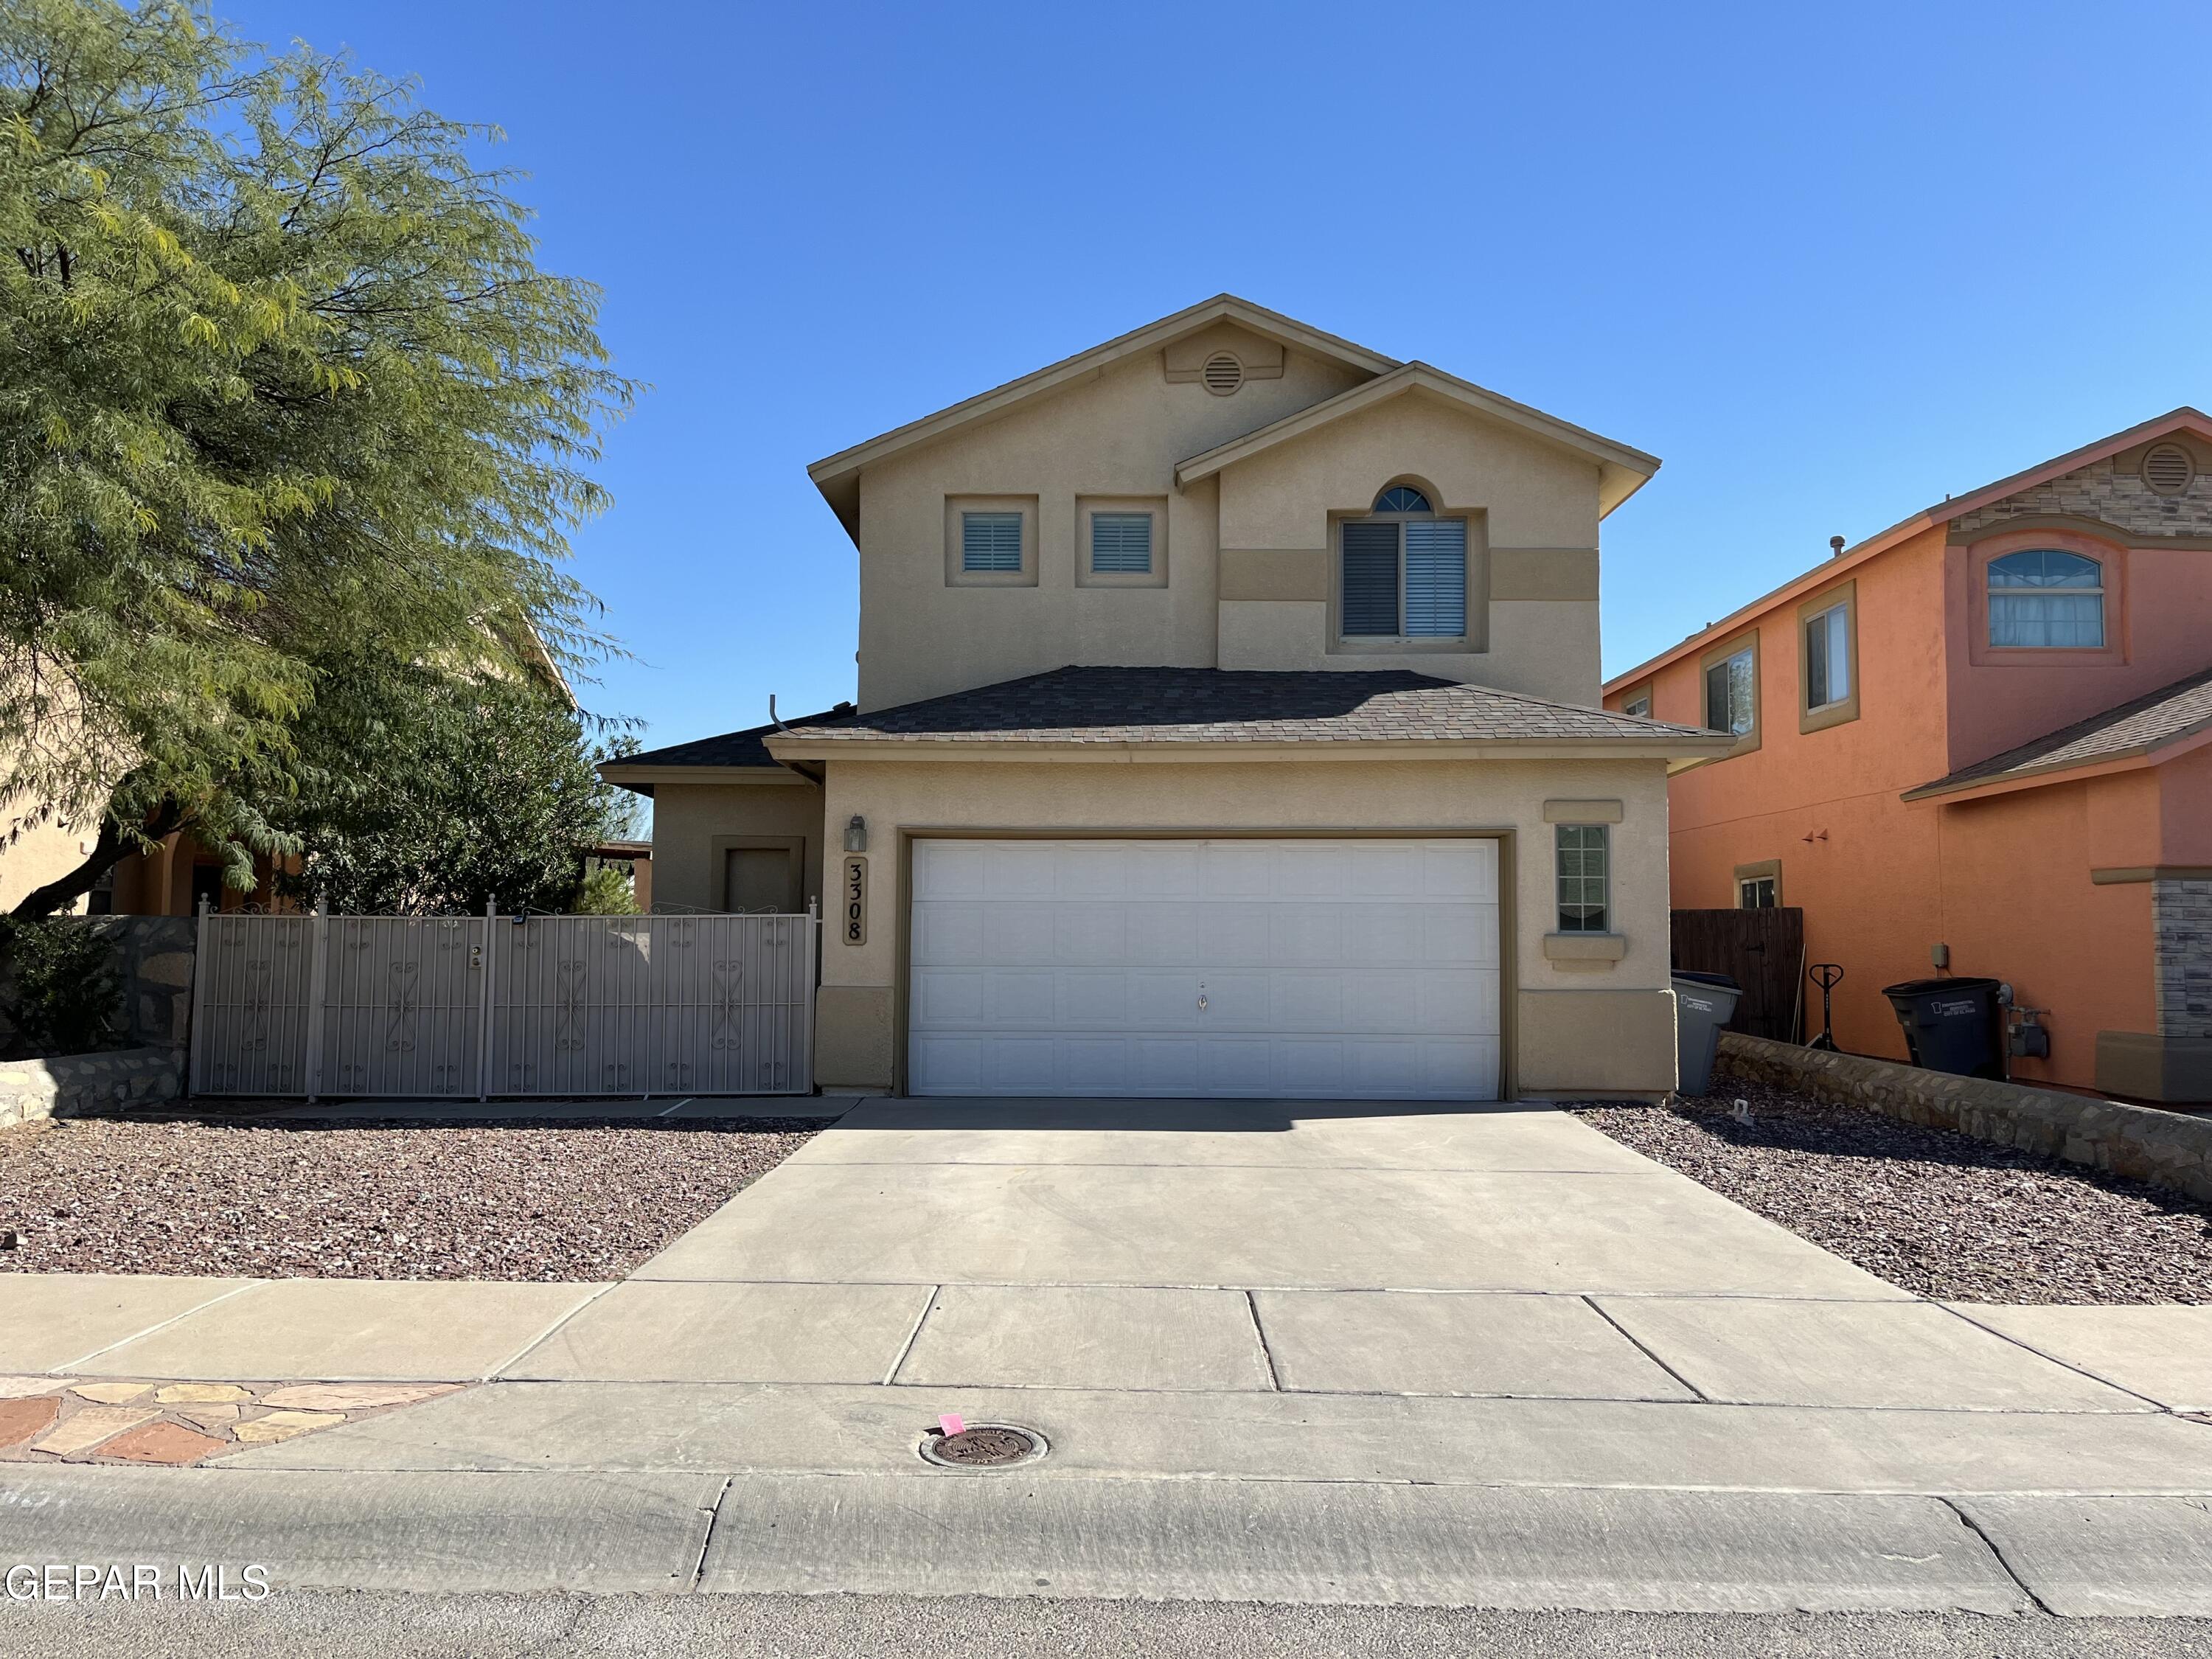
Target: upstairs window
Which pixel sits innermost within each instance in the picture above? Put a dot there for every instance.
(2044, 598)
(990, 541)
(1581, 851)
(1640, 706)
(1403, 571)
(1827, 658)
(1121, 544)
(1732, 693)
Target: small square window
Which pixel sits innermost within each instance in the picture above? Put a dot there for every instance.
(1121, 544)
(1756, 893)
(1640, 707)
(990, 541)
(1582, 878)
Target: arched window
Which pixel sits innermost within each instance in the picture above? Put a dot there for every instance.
(2044, 597)
(1402, 498)
(1402, 572)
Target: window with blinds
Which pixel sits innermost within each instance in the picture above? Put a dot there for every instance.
(990, 541)
(1404, 579)
(1121, 544)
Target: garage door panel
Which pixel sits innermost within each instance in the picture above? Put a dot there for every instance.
(948, 932)
(1021, 931)
(1345, 969)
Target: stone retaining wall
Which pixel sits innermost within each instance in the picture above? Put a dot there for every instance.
(2171, 1149)
(69, 1085)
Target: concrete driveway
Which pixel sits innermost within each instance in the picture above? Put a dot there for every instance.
(1280, 1351)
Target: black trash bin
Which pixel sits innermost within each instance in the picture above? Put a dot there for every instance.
(1703, 1003)
(1951, 1024)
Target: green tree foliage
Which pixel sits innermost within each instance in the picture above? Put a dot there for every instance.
(607, 892)
(59, 988)
(419, 792)
(279, 379)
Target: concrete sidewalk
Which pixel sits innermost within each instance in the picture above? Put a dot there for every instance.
(1484, 1356)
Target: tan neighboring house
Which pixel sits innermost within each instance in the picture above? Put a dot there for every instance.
(1227, 724)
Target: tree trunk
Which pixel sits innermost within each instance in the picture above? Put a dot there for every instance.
(107, 851)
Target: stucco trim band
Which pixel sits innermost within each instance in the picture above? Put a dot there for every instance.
(1275, 572)
(1543, 573)
(1582, 811)
(1584, 947)
(2126, 875)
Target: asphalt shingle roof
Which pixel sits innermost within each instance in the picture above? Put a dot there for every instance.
(2135, 728)
(731, 749)
(1214, 705)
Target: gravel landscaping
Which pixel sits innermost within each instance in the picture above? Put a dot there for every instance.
(1929, 1210)
(537, 1200)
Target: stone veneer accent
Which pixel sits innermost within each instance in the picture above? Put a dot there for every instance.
(71, 1085)
(2103, 490)
(2170, 1149)
(2181, 945)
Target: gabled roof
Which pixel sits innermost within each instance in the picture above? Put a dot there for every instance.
(2135, 729)
(1214, 708)
(1622, 470)
(837, 475)
(2185, 418)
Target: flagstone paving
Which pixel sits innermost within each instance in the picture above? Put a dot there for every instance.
(55, 1419)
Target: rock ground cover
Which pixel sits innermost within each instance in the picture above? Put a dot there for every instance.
(538, 1200)
(46, 1419)
(1929, 1210)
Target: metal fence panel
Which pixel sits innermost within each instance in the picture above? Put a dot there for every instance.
(550, 1005)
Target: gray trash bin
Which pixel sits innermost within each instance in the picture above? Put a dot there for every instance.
(1703, 1003)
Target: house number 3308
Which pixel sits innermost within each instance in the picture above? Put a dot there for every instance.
(856, 901)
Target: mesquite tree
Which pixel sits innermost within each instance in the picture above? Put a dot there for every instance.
(281, 383)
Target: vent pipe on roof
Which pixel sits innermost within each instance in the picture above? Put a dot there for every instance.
(773, 717)
(1835, 547)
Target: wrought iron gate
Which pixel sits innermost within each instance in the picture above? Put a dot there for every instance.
(425, 1006)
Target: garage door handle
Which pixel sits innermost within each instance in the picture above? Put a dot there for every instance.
(1201, 1002)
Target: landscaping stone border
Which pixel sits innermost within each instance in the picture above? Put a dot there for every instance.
(2168, 1149)
(67, 1086)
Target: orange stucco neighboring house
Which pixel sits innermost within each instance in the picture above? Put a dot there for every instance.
(1983, 734)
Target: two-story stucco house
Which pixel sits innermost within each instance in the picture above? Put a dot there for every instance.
(1984, 738)
(1227, 724)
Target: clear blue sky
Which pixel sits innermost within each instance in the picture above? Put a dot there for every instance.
(1831, 262)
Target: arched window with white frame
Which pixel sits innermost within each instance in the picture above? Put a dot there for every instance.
(2043, 598)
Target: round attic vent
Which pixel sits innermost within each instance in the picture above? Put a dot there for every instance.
(2167, 468)
(1223, 374)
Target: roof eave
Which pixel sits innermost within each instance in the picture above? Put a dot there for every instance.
(1852, 558)
(1623, 469)
(630, 776)
(837, 475)
(1668, 746)
(2134, 758)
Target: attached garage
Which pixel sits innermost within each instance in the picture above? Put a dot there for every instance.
(1333, 969)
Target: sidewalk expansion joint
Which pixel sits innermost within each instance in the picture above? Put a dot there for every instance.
(159, 1325)
(1267, 1354)
(1638, 1344)
(913, 1335)
(714, 1513)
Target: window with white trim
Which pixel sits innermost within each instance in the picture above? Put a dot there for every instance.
(2042, 597)
(1582, 853)
(1121, 544)
(1640, 706)
(1402, 571)
(1827, 658)
(1757, 892)
(990, 541)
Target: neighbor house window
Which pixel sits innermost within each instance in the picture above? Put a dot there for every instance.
(1121, 544)
(1403, 571)
(1757, 893)
(990, 541)
(1732, 693)
(1582, 878)
(2043, 598)
(1828, 657)
(1640, 706)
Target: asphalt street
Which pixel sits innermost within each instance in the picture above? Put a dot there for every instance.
(365, 1625)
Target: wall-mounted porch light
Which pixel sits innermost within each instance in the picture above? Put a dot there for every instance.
(856, 834)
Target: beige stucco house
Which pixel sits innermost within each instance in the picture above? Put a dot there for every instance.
(1227, 724)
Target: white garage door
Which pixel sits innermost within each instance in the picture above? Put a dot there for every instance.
(1329, 970)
